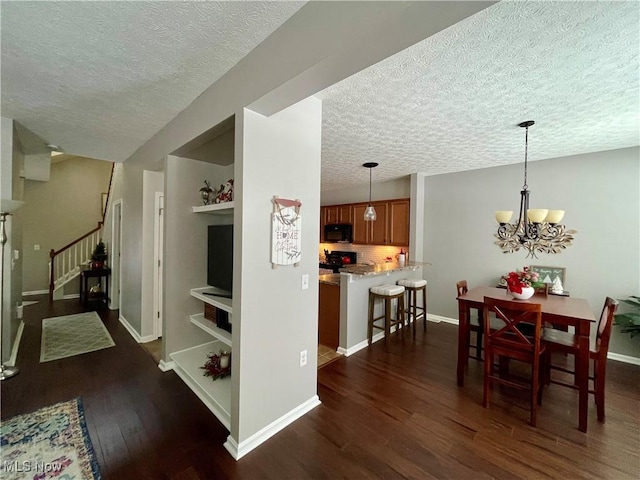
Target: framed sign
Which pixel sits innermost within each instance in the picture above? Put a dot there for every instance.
(286, 232)
(549, 274)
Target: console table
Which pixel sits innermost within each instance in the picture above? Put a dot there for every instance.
(86, 295)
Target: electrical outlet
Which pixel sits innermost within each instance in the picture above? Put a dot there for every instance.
(303, 358)
(36, 247)
(305, 282)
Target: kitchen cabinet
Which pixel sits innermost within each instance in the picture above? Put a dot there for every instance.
(390, 228)
(338, 213)
(398, 211)
(329, 315)
(335, 214)
(371, 233)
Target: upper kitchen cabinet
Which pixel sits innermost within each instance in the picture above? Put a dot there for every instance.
(335, 214)
(398, 211)
(371, 233)
(339, 214)
(391, 226)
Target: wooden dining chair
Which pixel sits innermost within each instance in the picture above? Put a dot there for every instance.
(476, 326)
(505, 340)
(565, 342)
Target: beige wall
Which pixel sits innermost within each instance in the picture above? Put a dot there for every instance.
(59, 211)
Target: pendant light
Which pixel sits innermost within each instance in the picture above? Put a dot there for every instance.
(370, 212)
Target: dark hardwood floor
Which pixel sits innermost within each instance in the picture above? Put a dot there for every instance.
(383, 415)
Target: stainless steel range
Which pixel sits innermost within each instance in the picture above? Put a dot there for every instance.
(336, 259)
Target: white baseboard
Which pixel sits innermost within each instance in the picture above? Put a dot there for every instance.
(16, 345)
(136, 336)
(359, 346)
(35, 292)
(378, 336)
(623, 358)
(439, 319)
(611, 355)
(71, 296)
(238, 451)
(166, 366)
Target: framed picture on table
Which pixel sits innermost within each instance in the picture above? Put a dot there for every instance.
(549, 274)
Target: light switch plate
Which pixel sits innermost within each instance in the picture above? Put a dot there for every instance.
(305, 282)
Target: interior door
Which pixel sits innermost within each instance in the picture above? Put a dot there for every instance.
(116, 245)
(158, 261)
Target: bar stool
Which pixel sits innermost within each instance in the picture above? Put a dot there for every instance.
(412, 287)
(387, 293)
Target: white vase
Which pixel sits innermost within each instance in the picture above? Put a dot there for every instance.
(527, 293)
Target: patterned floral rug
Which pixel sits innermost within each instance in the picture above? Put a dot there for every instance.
(71, 335)
(52, 442)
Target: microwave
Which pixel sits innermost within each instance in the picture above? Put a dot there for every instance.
(338, 232)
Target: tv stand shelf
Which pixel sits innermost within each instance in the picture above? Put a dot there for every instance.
(225, 208)
(216, 394)
(222, 303)
(211, 328)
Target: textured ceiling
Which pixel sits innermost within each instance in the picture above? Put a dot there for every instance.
(100, 78)
(453, 101)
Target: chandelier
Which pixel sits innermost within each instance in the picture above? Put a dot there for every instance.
(537, 230)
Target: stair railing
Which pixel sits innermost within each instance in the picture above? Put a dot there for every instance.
(66, 262)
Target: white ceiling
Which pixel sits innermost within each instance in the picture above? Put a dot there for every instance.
(96, 80)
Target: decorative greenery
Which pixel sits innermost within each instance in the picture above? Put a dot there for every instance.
(212, 367)
(630, 320)
(99, 253)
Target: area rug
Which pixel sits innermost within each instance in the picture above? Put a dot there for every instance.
(52, 442)
(71, 335)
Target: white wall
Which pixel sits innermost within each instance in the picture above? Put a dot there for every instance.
(280, 155)
(152, 182)
(11, 188)
(127, 185)
(399, 188)
(601, 195)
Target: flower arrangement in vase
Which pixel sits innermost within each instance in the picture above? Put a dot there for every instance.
(522, 284)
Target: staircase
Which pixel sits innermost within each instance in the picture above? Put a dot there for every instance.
(66, 263)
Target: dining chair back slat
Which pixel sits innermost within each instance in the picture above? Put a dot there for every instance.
(509, 342)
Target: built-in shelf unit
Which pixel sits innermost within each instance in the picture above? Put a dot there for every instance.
(216, 394)
(225, 208)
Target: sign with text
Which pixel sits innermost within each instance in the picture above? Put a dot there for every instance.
(286, 236)
(549, 274)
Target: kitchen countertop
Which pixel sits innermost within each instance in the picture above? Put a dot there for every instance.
(330, 279)
(381, 268)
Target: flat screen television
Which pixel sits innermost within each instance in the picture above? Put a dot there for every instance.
(220, 259)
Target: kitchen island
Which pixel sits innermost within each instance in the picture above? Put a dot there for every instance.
(355, 281)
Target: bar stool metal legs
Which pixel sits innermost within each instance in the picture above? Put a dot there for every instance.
(387, 293)
(412, 287)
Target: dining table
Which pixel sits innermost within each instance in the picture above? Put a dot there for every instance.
(556, 310)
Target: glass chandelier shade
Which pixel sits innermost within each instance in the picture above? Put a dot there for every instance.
(538, 230)
(370, 212)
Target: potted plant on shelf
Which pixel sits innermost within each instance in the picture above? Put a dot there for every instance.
(629, 320)
(99, 256)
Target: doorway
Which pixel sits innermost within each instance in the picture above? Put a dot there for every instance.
(158, 261)
(116, 242)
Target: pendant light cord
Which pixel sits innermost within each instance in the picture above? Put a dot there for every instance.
(526, 145)
(370, 186)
